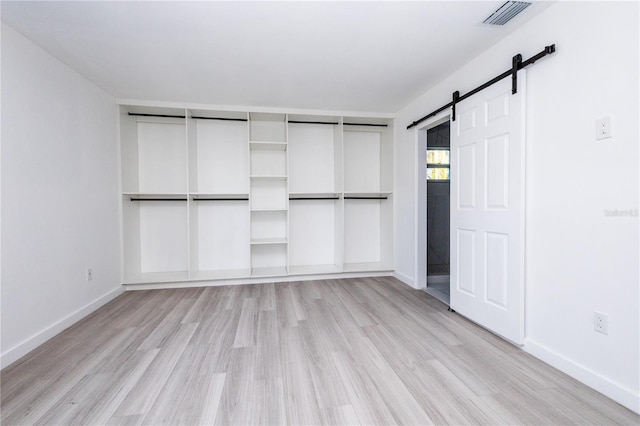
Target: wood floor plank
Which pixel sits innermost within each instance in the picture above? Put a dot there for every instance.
(205, 301)
(300, 399)
(467, 332)
(59, 350)
(167, 327)
(311, 290)
(175, 404)
(348, 329)
(419, 379)
(134, 420)
(71, 407)
(341, 415)
(211, 399)
(288, 306)
(268, 348)
(454, 398)
(122, 384)
(365, 397)
(37, 408)
(360, 314)
(246, 331)
(217, 333)
(235, 403)
(351, 351)
(268, 405)
(328, 388)
(143, 395)
(267, 298)
(401, 403)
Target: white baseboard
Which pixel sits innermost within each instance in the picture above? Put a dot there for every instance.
(21, 349)
(619, 394)
(405, 279)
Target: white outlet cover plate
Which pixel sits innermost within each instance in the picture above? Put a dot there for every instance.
(603, 128)
(601, 322)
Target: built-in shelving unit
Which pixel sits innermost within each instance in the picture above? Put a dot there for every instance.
(224, 195)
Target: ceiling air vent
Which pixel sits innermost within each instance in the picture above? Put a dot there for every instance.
(506, 12)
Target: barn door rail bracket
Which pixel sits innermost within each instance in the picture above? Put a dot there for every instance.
(516, 64)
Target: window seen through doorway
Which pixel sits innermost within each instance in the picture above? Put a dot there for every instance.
(437, 164)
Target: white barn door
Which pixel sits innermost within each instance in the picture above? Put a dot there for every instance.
(487, 209)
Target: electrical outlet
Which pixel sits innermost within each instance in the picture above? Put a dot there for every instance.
(601, 322)
(89, 274)
(603, 128)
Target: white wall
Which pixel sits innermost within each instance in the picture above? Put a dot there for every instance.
(578, 259)
(59, 196)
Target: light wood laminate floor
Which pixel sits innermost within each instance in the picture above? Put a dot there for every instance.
(355, 351)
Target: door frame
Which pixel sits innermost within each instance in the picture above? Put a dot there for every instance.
(421, 195)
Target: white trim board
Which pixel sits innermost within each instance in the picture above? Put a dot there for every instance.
(248, 108)
(420, 194)
(23, 348)
(254, 280)
(623, 396)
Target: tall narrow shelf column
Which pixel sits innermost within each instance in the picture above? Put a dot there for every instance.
(154, 195)
(368, 206)
(315, 194)
(219, 194)
(268, 196)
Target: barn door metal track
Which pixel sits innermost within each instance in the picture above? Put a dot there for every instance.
(516, 64)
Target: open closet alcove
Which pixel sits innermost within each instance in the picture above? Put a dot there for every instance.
(223, 195)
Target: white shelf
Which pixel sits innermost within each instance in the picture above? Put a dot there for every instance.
(267, 177)
(172, 195)
(270, 146)
(277, 271)
(157, 277)
(367, 267)
(277, 209)
(260, 241)
(314, 195)
(367, 195)
(196, 196)
(225, 274)
(314, 269)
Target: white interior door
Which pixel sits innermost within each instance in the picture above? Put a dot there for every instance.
(487, 209)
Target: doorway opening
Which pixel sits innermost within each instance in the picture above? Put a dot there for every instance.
(437, 160)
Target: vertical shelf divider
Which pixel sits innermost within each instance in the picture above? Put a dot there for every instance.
(287, 183)
(191, 236)
(339, 188)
